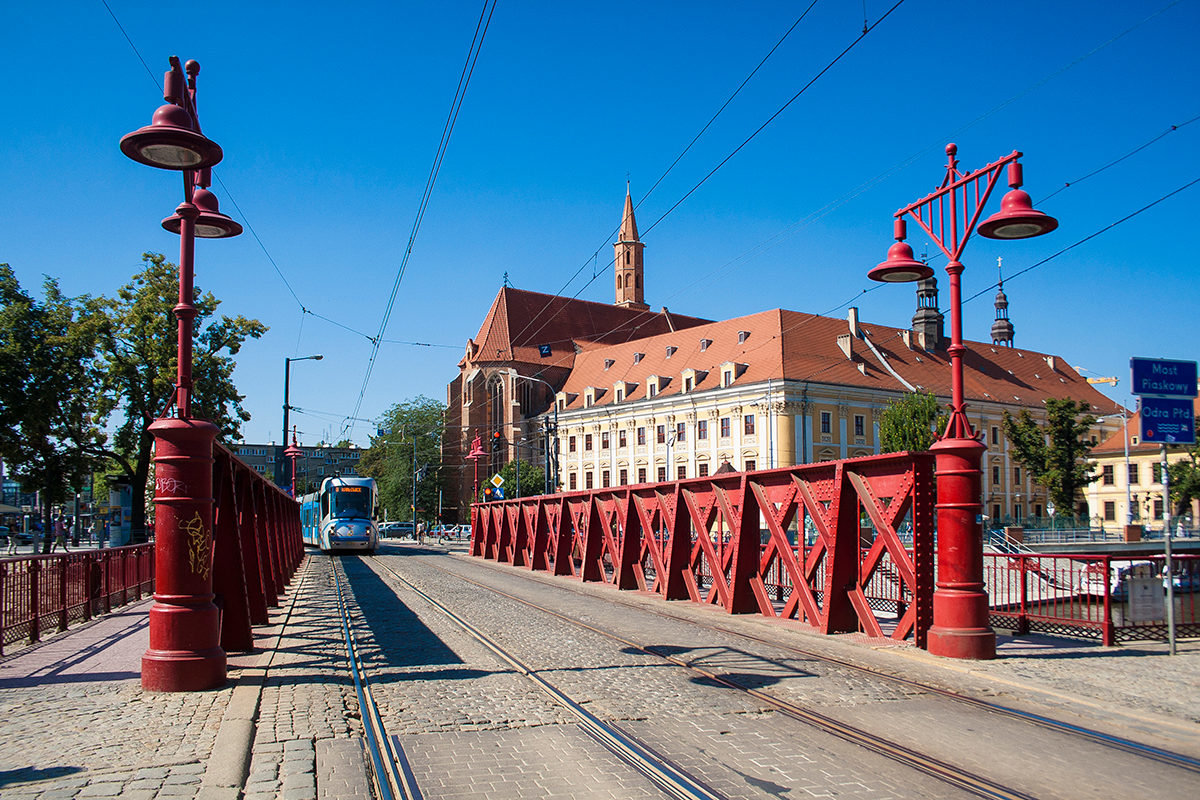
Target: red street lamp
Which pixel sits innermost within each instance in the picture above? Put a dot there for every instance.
(949, 216)
(476, 453)
(293, 454)
(185, 652)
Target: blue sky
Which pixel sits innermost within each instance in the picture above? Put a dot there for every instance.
(330, 117)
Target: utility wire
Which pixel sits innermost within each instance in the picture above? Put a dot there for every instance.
(464, 80)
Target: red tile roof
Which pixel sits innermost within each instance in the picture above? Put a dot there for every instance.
(781, 344)
(519, 322)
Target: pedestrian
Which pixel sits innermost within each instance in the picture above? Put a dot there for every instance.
(60, 536)
(12, 543)
(420, 533)
(97, 526)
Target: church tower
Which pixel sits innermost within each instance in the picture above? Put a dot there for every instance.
(1002, 328)
(627, 261)
(927, 322)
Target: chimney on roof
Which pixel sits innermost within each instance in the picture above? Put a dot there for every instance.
(846, 343)
(852, 319)
(908, 339)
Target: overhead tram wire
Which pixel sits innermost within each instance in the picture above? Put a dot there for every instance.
(714, 170)
(464, 81)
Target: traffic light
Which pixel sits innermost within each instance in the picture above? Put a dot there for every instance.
(487, 494)
(497, 440)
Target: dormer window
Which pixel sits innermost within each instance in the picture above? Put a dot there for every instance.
(637, 357)
(608, 362)
(743, 336)
(652, 386)
(704, 343)
(687, 384)
(619, 393)
(726, 377)
(671, 350)
(589, 397)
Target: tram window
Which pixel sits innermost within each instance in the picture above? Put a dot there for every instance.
(352, 501)
(324, 505)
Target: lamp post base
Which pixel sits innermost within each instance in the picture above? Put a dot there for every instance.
(960, 602)
(185, 652)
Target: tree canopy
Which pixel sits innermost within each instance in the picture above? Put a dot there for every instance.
(911, 422)
(394, 463)
(1055, 454)
(49, 428)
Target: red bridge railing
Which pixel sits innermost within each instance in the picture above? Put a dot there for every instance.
(256, 550)
(257, 547)
(829, 544)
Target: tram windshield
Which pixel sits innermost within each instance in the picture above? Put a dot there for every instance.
(351, 501)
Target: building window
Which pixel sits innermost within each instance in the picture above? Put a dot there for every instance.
(1110, 510)
(573, 481)
(662, 474)
(604, 440)
(1109, 479)
(1037, 510)
(660, 434)
(703, 469)
(588, 481)
(1158, 509)
(623, 476)
(604, 478)
(748, 424)
(995, 476)
(620, 395)
(652, 389)
(1134, 477)
(995, 435)
(859, 425)
(1156, 472)
(751, 465)
(621, 442)
(996, 512)
(725, 427)
(641, 474)
(587, 441)
(680, 432)
(727, 377)
(681, 472)
(826, 421)
(687, 385)
(702, 429)
(1017, 476)
(641, 437)
(743, 336)
(570, 444)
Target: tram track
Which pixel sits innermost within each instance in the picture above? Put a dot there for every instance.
(945, 772)
(1139, 749)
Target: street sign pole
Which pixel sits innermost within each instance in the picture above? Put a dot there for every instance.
(1170, 579)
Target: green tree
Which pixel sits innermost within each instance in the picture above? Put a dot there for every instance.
(1055, 454)
(533, 479)
(390, 459)
(912, 422)
(1185, 480)
(49, 429)
(138, 367)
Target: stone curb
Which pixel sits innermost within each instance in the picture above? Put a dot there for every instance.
(229, 762)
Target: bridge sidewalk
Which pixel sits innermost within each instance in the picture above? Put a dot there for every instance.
(77, 724)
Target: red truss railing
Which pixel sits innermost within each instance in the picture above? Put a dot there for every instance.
(820, 543)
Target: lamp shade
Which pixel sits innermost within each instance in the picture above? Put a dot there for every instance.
(211, 223)
(1017, 219)
(900, 266)
(170, 141)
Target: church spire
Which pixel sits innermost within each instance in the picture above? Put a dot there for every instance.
(1002, 328)
(627, 260)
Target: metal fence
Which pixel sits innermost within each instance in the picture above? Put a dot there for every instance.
(43, 593)
(1089, 597)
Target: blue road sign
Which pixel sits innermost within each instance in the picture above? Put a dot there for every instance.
(1159, 377)
(1168, 420)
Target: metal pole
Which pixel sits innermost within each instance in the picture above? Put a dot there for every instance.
(1170, 578)
(287, 373)
(1128, 488)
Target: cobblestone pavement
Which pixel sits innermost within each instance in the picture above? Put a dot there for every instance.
(742, 749)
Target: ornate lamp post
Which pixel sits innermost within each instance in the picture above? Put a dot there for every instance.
(185, 652)
(293, 454)
(949, 217)
(476, 454)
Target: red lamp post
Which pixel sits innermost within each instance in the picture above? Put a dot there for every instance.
(293, 454)
(949, 216)
(185, 652)
(476, 453)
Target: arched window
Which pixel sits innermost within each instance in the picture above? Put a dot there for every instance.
(495, 393)
(626, 256)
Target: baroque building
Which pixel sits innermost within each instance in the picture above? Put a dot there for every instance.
(610, 395)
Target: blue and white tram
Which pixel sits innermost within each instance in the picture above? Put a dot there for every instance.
(341, 515)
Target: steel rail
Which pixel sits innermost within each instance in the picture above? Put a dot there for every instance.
(948, 773)
(393, 775)
(1121, 744)
(673, 780)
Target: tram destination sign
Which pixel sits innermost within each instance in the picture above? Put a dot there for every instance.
(1156, 377)
(1168, 420)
